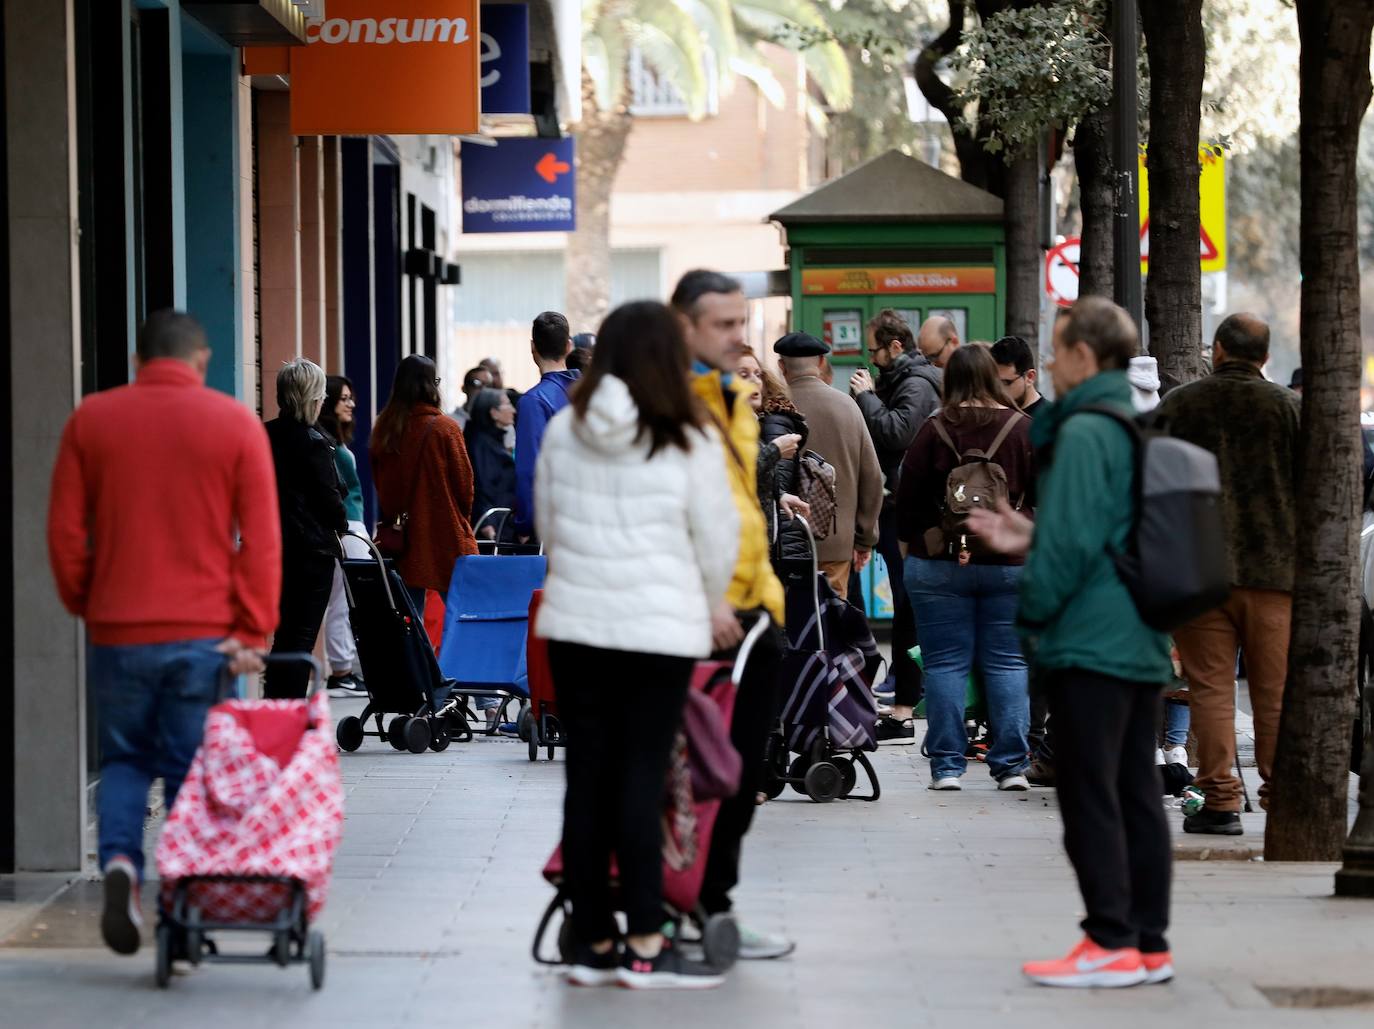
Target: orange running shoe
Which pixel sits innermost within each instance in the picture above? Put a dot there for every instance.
(1089, 965)
(1159, 967)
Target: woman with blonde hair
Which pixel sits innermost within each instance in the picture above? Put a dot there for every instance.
(782, 438)
(312, 514)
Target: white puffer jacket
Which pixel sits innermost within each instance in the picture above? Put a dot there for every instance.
(640, 549)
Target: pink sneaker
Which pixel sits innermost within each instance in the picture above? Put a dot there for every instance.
(1089, 965)
(1159, 967)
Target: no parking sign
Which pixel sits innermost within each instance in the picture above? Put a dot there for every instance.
(1061, 273)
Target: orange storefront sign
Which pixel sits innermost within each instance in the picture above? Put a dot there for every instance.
(388, 66)
(841, 281)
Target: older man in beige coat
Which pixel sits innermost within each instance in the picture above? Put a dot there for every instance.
(837, 432)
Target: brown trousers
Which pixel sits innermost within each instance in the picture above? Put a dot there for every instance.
(837, 572)
(1256, 622)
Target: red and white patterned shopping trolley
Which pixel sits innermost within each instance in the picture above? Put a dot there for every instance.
(249, 844)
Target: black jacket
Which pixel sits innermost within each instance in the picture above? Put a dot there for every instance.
(309, 496)
(786, 538)
(906, 394)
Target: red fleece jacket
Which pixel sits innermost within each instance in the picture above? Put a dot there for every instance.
(163, 523)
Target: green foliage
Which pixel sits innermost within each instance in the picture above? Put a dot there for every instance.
(1030, 69)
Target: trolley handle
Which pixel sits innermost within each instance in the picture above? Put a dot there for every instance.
(496, 544)
(381, 566)
(815, 580)
(752, 637)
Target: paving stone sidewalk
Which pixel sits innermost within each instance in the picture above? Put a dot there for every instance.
(914, 911)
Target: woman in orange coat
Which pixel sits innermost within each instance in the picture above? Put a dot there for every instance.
(421, 470)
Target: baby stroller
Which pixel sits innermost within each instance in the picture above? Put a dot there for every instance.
(830, 716)
(402, 676)
(486, 621)
(250, 841)
(718, 681)
(539, 725)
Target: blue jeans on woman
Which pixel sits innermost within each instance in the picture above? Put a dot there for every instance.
(967, 617)
(151, 703)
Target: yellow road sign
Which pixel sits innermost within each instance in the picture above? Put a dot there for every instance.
(1211, 194)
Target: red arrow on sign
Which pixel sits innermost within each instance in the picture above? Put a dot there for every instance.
(550, 167)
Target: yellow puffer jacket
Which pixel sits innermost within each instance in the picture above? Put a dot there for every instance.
(754, 584)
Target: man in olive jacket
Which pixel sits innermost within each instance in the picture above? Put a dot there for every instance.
(1251, 425)
(1103, 668)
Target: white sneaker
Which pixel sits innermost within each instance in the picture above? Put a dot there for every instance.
(950, 782)
(1176, 756)
(1159, 756)
(1013, 782)
(757, 946)
(122, 918)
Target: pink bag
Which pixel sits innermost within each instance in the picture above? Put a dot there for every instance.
(713, 760)
(263, 797)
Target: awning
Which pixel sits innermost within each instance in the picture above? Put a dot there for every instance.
(251, 22)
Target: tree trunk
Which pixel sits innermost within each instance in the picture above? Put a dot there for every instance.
(1307, 818)
(1021, 213)
(600, 147)
(1092, 159)
(976, 166)
(1173, 292)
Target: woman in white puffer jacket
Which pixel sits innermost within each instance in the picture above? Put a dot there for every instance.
(633, 506)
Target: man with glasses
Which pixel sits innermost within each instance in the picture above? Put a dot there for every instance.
(906, 394)
(937, 339)
(1016, 368)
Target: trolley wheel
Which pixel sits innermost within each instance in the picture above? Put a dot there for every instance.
(567, 943)
(439, 738)
(195, 938)
(551, 749)
(797, 772)
(315, 955)
(720, 941)
(823, 782)
(349, 734)
(416, 735)
(525, 722)
(162, 971)
(532, 745)
(773, 785)
(281, 947)
(819, 749)
(849, 775)
(396, 732)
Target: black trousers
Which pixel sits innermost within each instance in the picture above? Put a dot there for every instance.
(621, 712)
(1110, 799)
(756, 713)
(306, 582)
(906, 672)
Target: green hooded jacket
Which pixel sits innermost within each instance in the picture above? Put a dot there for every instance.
(1075, 611)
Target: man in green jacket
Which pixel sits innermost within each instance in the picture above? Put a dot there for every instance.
(1103, 668)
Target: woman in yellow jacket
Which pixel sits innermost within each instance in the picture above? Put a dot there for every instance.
(712, 310)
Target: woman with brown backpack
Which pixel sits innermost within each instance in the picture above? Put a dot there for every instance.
(973, 453)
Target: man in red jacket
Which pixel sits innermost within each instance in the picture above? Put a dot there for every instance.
(163, 534)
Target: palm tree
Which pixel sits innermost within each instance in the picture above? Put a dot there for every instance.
(685, 42)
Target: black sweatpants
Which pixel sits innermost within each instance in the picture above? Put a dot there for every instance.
(620, 712)
(306, 582)
(906, 672)
(1110, 799)
(756, 713)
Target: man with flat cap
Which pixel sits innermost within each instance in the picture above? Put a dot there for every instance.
(839, 435)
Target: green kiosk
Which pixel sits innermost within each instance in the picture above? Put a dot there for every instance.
(894, 232)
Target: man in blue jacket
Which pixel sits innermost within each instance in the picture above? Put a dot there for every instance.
(550, 343)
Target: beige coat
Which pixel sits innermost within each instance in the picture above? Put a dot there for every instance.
(838, 434)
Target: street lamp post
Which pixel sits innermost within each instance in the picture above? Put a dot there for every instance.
(1356, 875)
(1125, 147)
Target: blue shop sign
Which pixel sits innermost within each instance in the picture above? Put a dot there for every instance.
(505, 30)
(519, 185)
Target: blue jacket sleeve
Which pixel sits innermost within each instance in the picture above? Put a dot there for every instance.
(532, 417)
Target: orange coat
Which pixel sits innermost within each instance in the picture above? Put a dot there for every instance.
(438, 530)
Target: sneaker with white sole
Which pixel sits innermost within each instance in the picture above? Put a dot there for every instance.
(666, 970)
(949, 782)
(1013, 782)
(1176, 756)
(1089, 965)
(588, 968)
(757, 946)
(1159, 966)
(122, 918)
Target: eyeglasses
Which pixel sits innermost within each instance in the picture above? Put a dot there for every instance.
(1012, 380)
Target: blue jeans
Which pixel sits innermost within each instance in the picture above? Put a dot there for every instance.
(151, 702)
(967, 616)
(1176, 722)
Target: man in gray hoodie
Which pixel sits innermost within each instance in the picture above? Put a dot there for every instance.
(906, 394)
